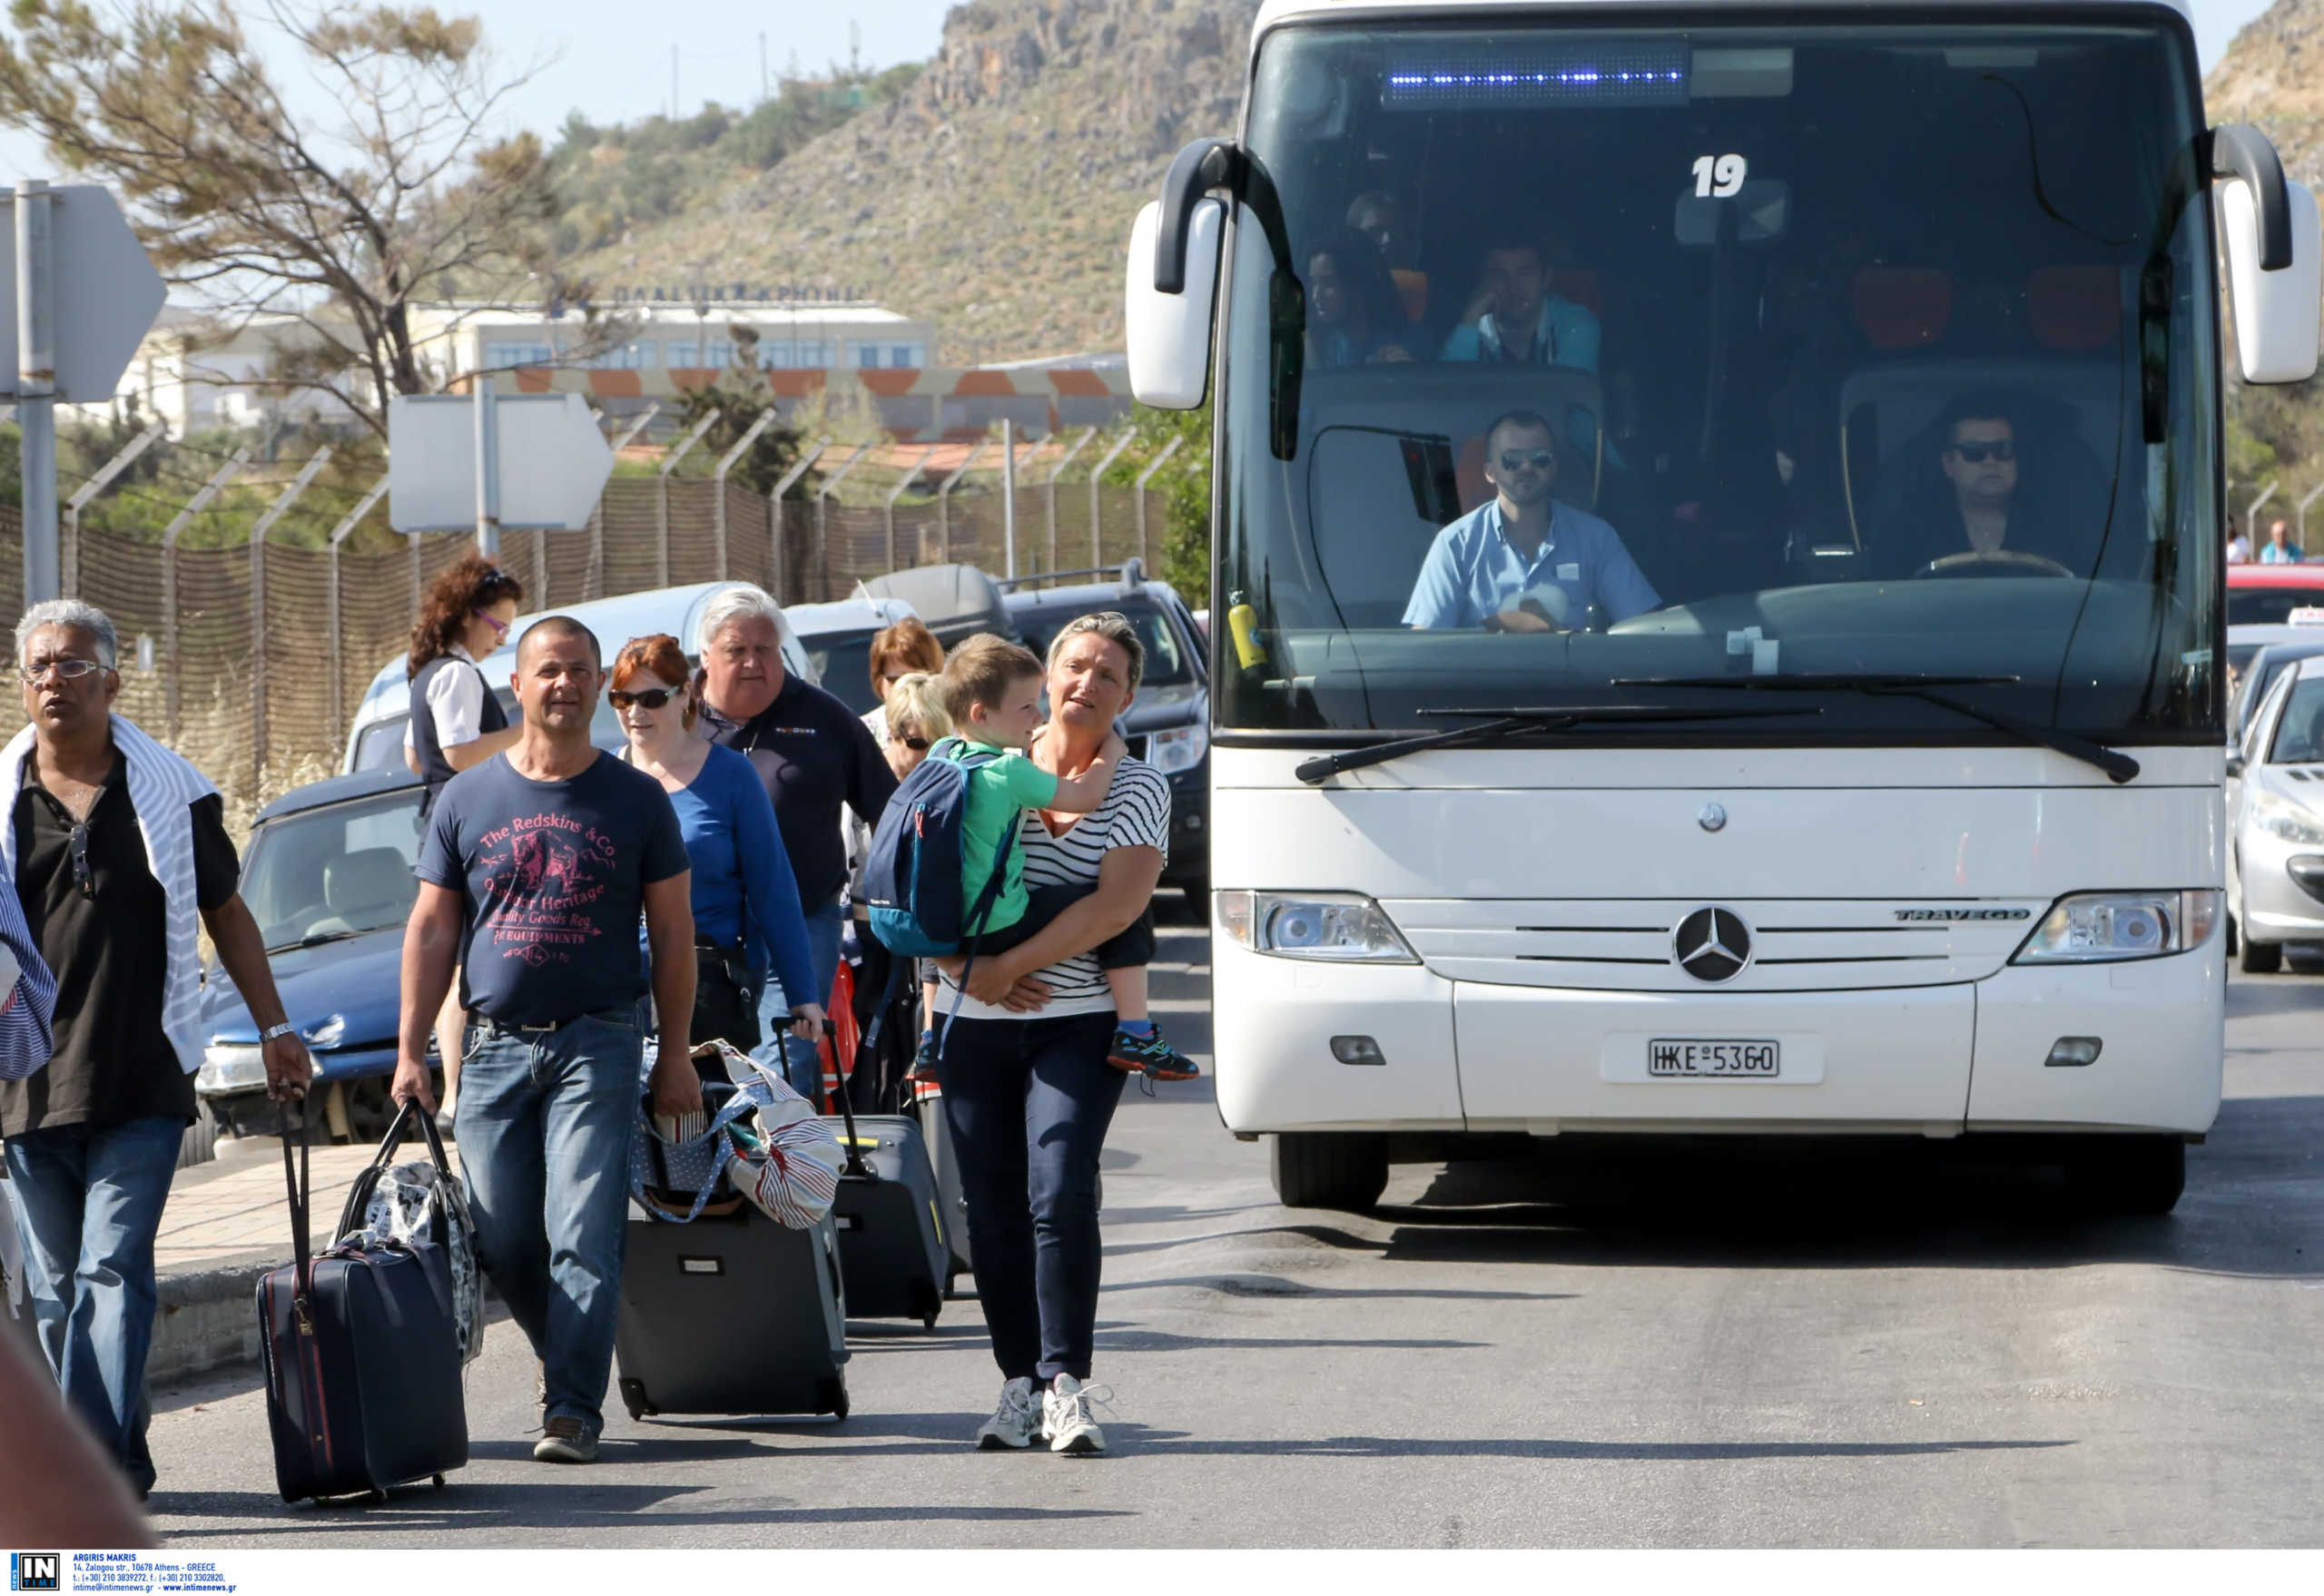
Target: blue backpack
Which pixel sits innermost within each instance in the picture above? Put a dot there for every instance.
(913, 877)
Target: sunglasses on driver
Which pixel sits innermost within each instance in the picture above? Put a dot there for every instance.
(1977, 454)
(1538, 460)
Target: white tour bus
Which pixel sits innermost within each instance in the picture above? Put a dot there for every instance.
(1842, 752)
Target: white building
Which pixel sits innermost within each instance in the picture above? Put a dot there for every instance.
(198, 374)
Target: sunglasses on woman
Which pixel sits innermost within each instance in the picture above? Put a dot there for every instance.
(917, 744)
(652, 698)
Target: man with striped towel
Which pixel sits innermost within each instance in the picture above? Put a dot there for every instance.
(117, 849)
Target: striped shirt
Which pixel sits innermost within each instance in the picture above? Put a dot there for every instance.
(1134, 814)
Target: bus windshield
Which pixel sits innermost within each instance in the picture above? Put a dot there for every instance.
(1562, 366)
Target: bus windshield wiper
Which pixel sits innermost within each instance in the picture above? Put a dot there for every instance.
(315, 940)
(2119, 766)
(1498, 723)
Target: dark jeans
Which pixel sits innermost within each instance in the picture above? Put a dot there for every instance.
(1131, 948)
(88, 1206)
(1028, 1101)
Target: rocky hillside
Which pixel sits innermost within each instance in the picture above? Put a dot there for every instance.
(2272, 77)
(996, 193)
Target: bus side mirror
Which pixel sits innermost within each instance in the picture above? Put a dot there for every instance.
(2275, 258)
(1169, 332)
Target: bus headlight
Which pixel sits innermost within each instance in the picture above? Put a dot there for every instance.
(1344, 928)
(1179, 748)
(2090, 927)
(2280, 817)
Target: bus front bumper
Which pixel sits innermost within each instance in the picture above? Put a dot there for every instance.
(1924, 1061)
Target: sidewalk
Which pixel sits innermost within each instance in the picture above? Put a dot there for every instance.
(227, 1223)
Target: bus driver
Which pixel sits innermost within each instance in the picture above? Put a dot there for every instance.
(1525, 562)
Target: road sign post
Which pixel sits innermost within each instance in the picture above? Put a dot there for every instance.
(537, 462)
(78, 297)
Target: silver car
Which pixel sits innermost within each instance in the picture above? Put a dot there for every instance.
(2275, 781)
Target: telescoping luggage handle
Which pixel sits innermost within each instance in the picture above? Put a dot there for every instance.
(358, 1195)
(297, 1180)
(857, 1170)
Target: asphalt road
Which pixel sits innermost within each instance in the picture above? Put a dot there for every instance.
(1809, 1350)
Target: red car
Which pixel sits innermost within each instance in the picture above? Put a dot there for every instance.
(2265, 595)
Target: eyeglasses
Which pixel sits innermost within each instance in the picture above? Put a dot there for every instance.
(500, 627)
(66, 670)
(652, 698)
(917, 744)
(1977, 454)
(1540, 459)
(82, 876)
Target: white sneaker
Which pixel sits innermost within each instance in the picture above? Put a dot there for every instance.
(1014, 1421)
(1066, 1422)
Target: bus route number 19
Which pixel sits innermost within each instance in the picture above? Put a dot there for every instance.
(1719, 177)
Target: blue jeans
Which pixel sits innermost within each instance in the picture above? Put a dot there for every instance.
(802, 1064)
(88, 1205)
(544, 1124)
(1029, 1102)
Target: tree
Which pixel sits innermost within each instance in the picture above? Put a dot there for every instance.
(343, 222)
(740, 395)
(1184, 558)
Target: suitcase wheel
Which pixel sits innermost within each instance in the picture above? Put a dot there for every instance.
(378, 1498)
(633, 1397)
(437, 1481)
(831, 1396)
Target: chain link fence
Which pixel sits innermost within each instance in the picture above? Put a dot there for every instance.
(253, 672)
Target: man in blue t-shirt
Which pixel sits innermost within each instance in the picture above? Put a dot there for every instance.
(534, 869)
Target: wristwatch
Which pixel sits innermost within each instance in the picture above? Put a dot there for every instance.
(273, 1031)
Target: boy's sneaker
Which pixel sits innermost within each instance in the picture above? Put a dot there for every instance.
(1066, 1421)
(1149, 1056)
(1014, 1421)
(923, 1059)
(566, 1440)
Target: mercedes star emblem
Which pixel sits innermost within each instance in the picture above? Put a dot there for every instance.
(1712, 944)
(1712, 818)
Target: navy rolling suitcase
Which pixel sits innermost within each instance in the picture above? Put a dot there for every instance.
(732, 1315)
(361, 1359)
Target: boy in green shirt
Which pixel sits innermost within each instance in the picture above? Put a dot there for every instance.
(992, 689)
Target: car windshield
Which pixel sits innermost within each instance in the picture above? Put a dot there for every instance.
(379, 745)
(2299, 729)
(2270, 606)
(1560, 359)
(843, 660)
(1167, 663)
(334, 870)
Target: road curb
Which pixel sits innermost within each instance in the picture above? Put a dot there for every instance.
(208, 1319)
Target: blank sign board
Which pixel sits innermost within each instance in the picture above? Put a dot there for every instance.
(106, 292)
(553, 462)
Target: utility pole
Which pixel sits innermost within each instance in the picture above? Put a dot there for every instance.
(673, 82)
(763, 95)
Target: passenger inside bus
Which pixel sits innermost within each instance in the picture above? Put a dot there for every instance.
(1514, 316)
(1524, 561)
(1353, 315)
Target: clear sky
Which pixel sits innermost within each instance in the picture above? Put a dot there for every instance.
(611, 58)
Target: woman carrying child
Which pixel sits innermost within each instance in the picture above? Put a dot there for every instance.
(1030, 1065)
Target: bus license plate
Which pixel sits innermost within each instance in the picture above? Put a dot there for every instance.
(1688, 1060)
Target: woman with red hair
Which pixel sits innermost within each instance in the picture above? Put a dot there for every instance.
(746, 917)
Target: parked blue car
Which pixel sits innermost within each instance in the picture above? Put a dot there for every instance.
(328, 875)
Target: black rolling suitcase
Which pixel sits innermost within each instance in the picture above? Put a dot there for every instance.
(892, 1228)
(361, 1359)
(733, 1314)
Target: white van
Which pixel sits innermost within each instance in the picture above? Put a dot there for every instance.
(375, 740)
